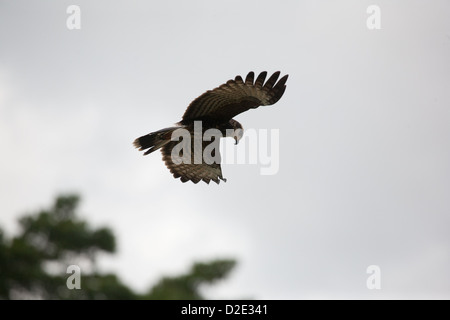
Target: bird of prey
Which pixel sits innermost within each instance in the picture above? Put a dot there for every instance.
(215, 109)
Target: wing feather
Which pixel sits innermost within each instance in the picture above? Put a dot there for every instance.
(236, 96)
(206, 171)
(249, 79)
(260, 80)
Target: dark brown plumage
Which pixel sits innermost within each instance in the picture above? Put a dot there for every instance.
(216, 109)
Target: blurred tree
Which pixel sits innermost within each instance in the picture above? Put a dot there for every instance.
(33, 264)
(48, 241)
(186, 287)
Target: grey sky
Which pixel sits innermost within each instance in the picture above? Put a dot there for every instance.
(364, 173)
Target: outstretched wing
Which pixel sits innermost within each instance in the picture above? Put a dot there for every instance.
(236, 96)
(182, 162)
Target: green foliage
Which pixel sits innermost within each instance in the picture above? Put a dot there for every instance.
(56, 236)
(186, 287)
(33, 264)
(57, 231)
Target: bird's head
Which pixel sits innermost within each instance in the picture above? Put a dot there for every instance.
(238, 130)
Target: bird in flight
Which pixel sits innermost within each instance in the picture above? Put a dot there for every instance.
(214, 109)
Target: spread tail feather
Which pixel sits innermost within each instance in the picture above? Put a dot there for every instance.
(155, 140)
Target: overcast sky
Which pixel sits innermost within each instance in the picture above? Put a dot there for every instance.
(364, 128)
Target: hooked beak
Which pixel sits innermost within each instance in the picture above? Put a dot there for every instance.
(236, 140)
